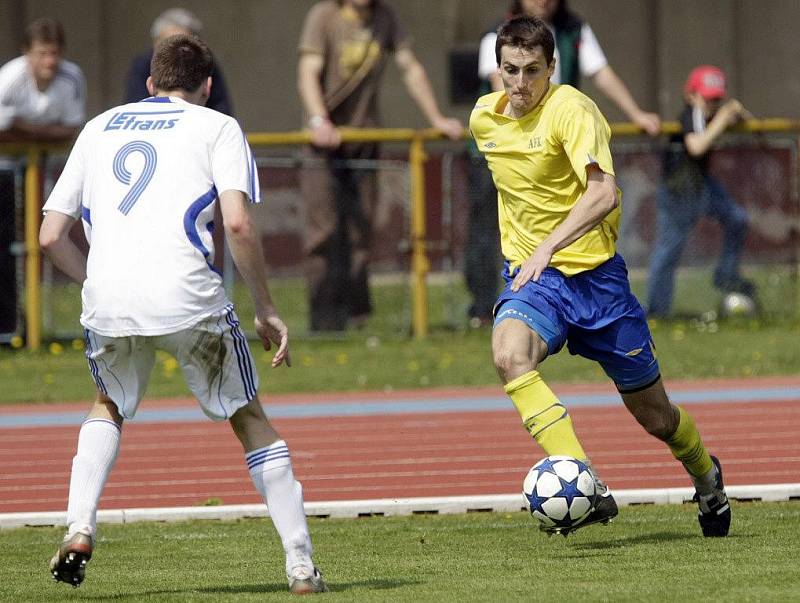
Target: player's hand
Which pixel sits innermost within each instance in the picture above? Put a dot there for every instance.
(450, 127)
(325, 135)
(649, 122)
(271, 329)
(532, 268)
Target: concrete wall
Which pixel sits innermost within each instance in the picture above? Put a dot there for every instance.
(652, 44)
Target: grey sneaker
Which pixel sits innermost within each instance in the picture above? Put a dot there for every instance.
(605, 510)
(303, 581)
(69, 563)
(715, 510)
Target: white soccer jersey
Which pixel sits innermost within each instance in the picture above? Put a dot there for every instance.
(63, 102)
(145, 177)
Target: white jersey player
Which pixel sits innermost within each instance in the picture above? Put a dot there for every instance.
(145, 179)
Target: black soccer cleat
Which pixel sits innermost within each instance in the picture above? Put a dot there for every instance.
(69, 563)
(715, 510)
(605, 510)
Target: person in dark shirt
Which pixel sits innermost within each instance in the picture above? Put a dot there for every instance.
(170, 22)
(689, 191)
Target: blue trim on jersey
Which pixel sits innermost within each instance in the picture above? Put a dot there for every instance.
(251, 170)
(190, 224)
(73, 79)
(156, 99)
(253, 197)
(86, 214)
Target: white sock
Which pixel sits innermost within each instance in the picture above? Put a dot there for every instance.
(271, 470)
(98, 445)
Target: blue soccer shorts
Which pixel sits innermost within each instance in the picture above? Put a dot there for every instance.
(594, 313)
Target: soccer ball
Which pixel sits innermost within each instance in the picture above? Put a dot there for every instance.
(560, 491)
(737, 305)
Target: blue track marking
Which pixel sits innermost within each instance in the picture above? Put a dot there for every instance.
(192, 414)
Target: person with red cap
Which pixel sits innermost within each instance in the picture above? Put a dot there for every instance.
(689, 191)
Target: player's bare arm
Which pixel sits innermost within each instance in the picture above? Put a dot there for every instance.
(56, 242)
(419, 87)
(26, 130)
(249, 259)
(614, 88)
(595, 204)
(729, 114)
(309, 72)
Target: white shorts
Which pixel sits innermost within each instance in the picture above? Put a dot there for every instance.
(213, 355)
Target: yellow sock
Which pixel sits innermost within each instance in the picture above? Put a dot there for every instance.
(544, 416)
(687, 447)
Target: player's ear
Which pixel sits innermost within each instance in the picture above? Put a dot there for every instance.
(151, 89)
(551, 68)
(207, 88)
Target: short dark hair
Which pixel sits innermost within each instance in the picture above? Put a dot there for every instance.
(181, 62)
(45, 30)
(527, 33)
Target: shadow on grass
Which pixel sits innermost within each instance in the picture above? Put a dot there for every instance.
(242, 589)
(655, 538)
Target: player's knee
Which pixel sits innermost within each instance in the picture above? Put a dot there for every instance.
(511, 363)
(657, 423)
(252, 427)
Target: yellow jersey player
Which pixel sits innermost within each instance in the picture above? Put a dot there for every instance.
(547, 146)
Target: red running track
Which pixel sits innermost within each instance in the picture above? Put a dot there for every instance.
(394, 456)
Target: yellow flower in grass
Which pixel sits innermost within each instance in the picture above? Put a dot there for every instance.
(56, 348)
(169, 366)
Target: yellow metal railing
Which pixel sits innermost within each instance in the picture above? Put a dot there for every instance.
(416, 140)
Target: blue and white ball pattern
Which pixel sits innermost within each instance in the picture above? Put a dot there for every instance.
(560, 491)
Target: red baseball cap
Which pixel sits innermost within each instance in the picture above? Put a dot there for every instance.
(708, 81)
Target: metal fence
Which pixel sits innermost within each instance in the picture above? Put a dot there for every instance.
(421, 218)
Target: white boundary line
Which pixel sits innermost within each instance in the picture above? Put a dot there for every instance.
(389, 507)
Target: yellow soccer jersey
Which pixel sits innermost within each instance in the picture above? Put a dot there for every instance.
(538, 164)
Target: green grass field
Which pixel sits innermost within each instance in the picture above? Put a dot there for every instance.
(651, 553)
(382, 356)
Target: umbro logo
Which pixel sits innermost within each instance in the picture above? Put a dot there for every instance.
(490, 145)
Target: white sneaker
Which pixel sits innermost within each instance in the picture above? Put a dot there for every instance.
(305, 581)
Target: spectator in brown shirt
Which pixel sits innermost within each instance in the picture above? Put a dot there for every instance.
(344, 48)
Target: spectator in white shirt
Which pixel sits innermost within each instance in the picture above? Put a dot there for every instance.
(42, 95)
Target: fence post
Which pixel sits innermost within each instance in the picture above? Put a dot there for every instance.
(419, 257)
(33, 281)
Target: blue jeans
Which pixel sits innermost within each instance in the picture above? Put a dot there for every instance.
(676, 213)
